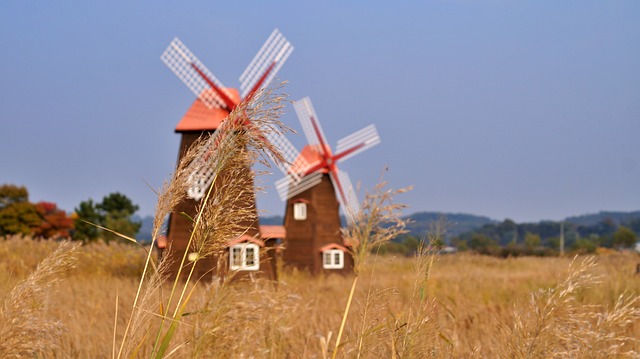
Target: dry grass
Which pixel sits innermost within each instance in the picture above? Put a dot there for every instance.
(470, 306)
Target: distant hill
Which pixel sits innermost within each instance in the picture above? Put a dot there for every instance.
(593, 219)
(455, 223)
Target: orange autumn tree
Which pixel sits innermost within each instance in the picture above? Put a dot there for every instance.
(55, 223)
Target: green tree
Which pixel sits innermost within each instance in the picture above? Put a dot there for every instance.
(624, 237)
(532, 240)
(114, 213)
(483, 244)
(88, 212)
(116, 210)
(585, 245)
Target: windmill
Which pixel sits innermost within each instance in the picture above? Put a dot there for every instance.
(214, 102)
(312, 220)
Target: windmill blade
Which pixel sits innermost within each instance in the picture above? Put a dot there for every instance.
(357, 142)
(287, 187)
(195, 75)
(346, 194)
(203, 167)
(266, 64)
(294, 165)
(201, 177)
(199, 182)
(310, 124)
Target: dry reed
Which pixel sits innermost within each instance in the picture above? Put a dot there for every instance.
(26, 328)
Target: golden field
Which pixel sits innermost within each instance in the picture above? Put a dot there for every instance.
(460, 306)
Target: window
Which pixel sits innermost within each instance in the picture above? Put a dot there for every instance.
(333, 259)
(300, 211)
(244, 256)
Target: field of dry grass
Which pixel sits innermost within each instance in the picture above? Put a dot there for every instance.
(454, 306)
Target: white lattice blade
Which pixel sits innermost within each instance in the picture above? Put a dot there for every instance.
(288, 188)
(294, 162)
(357, 142)
(309, 121)
(182, 61)
(350, 203)
(276, 51)
(202, 168)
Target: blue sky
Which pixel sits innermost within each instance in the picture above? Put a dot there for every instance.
(526, 110)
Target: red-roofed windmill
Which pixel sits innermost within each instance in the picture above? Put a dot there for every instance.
(213, 104)
(312, 218)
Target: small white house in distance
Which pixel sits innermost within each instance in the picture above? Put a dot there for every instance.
(637, 246)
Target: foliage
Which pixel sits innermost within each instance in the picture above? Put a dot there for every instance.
(10, 194)
(114, 212)
(17, 214)
(54, 222)
(624, 237)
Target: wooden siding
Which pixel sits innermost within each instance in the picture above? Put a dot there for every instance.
(322, 227)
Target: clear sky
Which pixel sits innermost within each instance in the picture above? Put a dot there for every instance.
(526, 110)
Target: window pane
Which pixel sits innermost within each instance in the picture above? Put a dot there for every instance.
(250, 256)
(336, 258)
(237, 256)
(299, 211)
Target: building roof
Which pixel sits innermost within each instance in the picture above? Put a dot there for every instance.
(311, 155)
(272, 232)
(201, 118)
(333, 246)
(246, 238)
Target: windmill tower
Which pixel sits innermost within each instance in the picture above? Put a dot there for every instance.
(214, 102)
(312, 219)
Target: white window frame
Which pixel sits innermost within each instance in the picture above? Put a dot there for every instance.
(334, 262)
(245, 257)
(300, 211)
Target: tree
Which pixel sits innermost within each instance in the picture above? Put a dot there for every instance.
(117, 210)
(114, 212)
(624, 237)
(18, 218)
(532, 240)
(88, 212)
(10, 194)
(17, 214)
(482, 244)
(54, 222)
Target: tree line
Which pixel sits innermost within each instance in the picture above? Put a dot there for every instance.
(19, 216)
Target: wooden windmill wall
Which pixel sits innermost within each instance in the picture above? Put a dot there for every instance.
(213, 104)
(306, 238)
(314, 189)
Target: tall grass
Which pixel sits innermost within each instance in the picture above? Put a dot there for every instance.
(26, 327)
(468, 308)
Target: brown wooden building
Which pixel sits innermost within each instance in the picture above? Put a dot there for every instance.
(313, 239)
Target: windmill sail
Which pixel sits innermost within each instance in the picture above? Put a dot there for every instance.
(186, 66)
(266, 64)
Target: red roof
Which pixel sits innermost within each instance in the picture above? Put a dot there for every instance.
(271, 232)
(246, 238)
(333, 246)
(200, 118)
(311, 155)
